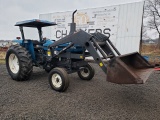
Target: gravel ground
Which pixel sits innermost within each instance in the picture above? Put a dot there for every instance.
(83, 100)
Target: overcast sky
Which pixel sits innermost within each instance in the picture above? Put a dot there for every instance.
(12, 11)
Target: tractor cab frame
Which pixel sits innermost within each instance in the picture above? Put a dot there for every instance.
(35, 23)
(39, 47)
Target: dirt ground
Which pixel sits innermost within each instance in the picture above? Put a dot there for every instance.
(83, 100)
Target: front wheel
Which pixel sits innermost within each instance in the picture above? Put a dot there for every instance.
(87, 73)
(58, 79)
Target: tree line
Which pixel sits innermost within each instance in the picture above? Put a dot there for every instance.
(151, 19)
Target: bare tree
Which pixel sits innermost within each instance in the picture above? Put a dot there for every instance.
(152, 14)
(144, 33)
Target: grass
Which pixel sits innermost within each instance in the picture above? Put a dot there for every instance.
(2, 61)
(152, 52)
(2, 57)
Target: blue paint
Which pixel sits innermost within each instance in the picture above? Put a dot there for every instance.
(35, 23)
(74, 49)
(146, 57)
(47, 43)
(28, 46)
(17, 41)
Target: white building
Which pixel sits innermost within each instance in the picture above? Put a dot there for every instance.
(124, 21)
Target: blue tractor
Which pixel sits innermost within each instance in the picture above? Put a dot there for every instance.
(27, 53)
(68, 54)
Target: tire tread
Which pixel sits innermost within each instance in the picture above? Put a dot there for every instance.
(25, 62)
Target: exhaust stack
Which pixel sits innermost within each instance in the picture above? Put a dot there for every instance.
(73, 24)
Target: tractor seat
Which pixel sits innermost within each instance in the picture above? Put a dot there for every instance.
(37, 45)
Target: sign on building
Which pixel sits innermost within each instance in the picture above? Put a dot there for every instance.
(123, 22)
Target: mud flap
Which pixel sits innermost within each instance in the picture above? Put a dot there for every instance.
(128, 69)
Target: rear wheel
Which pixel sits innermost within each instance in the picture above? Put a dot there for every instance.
(58, 79)
(87, 73)
(18, 63)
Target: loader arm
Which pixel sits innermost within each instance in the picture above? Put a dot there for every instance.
(122, 69)
(89, 42)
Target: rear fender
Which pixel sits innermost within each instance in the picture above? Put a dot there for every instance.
(28, 45)
(17, 42)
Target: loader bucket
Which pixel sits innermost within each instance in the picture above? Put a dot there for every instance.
(128, 69)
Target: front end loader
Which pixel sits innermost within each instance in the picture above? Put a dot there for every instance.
(68, 54)
(121, 69)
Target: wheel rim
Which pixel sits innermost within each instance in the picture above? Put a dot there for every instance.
(13, 63)
(85, 72)
(56, 80)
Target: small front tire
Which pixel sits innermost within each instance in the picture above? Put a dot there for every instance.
(58, 79)
(87, 73)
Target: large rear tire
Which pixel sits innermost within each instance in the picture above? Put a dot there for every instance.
(58, 79)
(18, 63)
